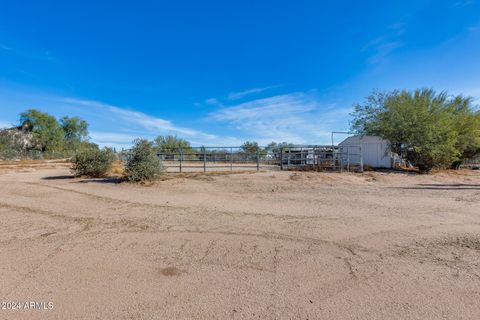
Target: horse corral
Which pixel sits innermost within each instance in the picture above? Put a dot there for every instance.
(315, 157)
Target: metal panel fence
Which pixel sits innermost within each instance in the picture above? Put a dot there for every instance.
(332, 158)
(473, 163)
(326, 158)
(215, 159)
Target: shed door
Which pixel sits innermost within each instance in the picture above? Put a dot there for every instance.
(374, 155)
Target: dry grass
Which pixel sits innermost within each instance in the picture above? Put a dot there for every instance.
(117, 169)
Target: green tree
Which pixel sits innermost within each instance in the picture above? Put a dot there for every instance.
(47, 132)
(75, 131)
(75, 135)
(250, 147)
(467, 124)
(277, 147)
(423, 126)
(172, 144)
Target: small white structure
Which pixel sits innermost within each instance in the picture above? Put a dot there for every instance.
(375, 151)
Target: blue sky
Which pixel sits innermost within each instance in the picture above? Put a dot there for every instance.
(222, 72)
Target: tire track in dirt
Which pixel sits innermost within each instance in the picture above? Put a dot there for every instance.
(143, 225)
(68, 238)
(107, 199)
(35, 268)
(89, 221)
(347, 249)
(47, 213)
(195, 210)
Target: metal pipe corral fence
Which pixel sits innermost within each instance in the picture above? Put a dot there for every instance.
(300, 157)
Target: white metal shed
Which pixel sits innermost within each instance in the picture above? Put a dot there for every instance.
(375, 150)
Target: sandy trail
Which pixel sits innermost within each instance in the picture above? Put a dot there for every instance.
(269, 245)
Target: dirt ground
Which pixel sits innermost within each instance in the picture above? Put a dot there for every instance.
(268, 245)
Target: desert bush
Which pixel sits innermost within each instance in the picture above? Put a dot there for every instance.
(8, 154)
(92, 162)
(142, 162)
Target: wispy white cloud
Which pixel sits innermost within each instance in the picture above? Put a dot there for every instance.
(383, 50)
(212, 101)
(113, 139)
(5, 124)
(382, 46)
(150, 123)
(397, 28)
(144, 125)
(473, 92)
(474, 28)
(463, 3)
(243, 94)
(295, 117)
(44, 55)
(4, 47)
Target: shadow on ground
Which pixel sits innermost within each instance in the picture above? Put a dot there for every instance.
(113, 180)
(65, 177)
(86, 180)
(455, 186)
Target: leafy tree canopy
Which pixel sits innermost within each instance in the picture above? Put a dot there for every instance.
(47, 132)
(277, 147)
(75, 129)
(251, 147)
(429, 129)
(172, 144)
(41, 135)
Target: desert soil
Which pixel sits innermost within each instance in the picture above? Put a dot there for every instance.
(268, 245)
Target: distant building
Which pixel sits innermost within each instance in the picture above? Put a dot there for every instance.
(375, 151)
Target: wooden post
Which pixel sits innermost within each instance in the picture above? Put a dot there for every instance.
(231, 159)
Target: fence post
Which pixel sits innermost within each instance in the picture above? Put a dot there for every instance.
(258, 159)
(301, 158)
(205, 160)
(281, 158)
(288, 158)
(181, 159)
(231, 159)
